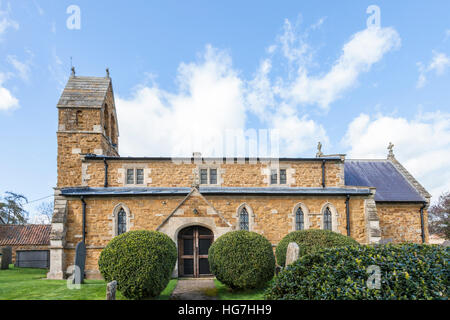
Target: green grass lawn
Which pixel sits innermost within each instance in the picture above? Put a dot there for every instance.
(31, 284)
(225, 293)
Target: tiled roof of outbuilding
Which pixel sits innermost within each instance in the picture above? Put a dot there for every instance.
(84, 92)
(20, 235)
(390, 184)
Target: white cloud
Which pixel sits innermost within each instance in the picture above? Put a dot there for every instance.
(297, 134)
(39, 219)
(300, 87)
(7, 101)
(364, 49)
(38, 8)
(209, 100)
(22, 68)
(56, 69)
(212, 97)
(6, 22)
(422, 145)
(438, 64)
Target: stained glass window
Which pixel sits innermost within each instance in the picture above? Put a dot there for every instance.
(327, 219)
(121, 222)
(299, 219)
(243, 219)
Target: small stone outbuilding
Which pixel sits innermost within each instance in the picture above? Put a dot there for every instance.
(30, 243)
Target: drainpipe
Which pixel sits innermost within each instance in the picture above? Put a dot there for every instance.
(323, 173)
(84, 218)
(106, 172)
(347, 209)
(422, 224)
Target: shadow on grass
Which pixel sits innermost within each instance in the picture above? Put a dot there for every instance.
(226, 293)
(31, 284)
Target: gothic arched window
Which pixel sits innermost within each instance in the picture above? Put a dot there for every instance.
(243, 219)
(299, 219)
(327, 219)
(121, 222)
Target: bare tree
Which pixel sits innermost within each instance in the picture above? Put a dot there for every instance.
(439, 216)
(12, 210)
(45, 210)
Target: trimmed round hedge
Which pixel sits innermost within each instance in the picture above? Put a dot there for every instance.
(140, 261)
(242, 259)
(310, 241)
(408, 271)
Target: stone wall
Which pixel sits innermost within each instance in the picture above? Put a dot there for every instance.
(71, 147)
(165, 173)
(401, 222)
(271, 216)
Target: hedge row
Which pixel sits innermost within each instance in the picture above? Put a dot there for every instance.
(310, 241)
(408, 271)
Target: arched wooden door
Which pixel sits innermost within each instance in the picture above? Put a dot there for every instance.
(193, 246)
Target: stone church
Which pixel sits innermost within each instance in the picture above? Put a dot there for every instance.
(100, 194)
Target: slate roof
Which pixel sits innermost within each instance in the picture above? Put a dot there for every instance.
(190, 159)
(211, 190)
(20, 235)
(390, 184)
(84, 92)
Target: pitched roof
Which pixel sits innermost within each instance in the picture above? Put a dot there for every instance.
(19, 235)
(84, 92)
(390, 184)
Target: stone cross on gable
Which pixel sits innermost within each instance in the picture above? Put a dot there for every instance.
(319, 150)
(391, 150)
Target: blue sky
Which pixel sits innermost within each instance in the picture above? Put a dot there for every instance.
(312, 70)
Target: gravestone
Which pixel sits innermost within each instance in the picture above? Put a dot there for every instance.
(292, 253)
(6, 257)
(111, 290)
(80, 260)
